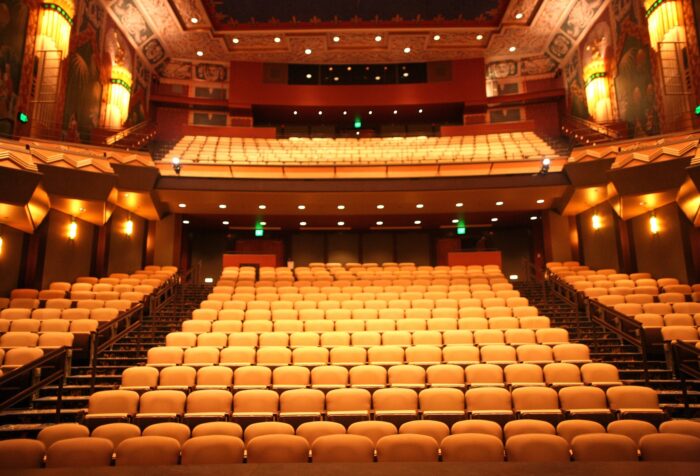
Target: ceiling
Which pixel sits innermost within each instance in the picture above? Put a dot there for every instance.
(197, 39)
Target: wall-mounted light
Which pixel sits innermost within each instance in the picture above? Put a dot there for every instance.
(654, 224)
(546, 162)
(2, 241)
(72, 229)
(176, 164)
(129, 227)
(596, 221)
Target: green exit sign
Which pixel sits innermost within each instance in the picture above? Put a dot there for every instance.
(259, 232)
(461, 230)
(22, 117)
(697, 110)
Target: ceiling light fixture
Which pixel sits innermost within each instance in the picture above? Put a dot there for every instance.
(499, 203)
(225, 222)
(494, 219)
(320, 113)
(512, 49)
(417, 222)
(419, 205)
(295, 112)
(540, 201)
(308, 51)
(235, 41)
(262, 207)
(182, 205)
(194, 20)
(436, 38)
(519, 16)
(200, 53)
(533, 217)
(341, 223)
(378, 38)
(459, 204)
(380, 207)
(479, 37)
(222, 206)
(341, 207)
(420, 111)
(345, 113)
(263, 223)
(455, 220)
(185, 222)
(302, 223)
(370, 112)
(277, 39)
(380, 223)
(396, 111)
(301, 207)
(336, 39)
(407, 50)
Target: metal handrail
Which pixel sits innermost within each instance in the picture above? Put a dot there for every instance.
(686, 365)
(20, 383)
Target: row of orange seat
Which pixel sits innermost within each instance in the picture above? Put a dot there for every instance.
(394, 404)
(68, 445)
(386, 355)
(556, 375)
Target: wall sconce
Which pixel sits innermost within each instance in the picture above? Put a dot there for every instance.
(176, 164)
(129, 227)
(596, 222)
(72, 229)
(2, 241)
(546, 162)
(654, 224)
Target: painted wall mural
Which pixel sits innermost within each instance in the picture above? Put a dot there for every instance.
(99, 43)
(14, 15)
(622, 28)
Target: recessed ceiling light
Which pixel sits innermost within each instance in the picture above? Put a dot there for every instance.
(295, 112)
(519, 15)
(512, 49)
(277, 39)
(494, 219)
(182, 205)
(341, 207)
(499, 203)
(200, 53)
(302, 223)
(454, 220)
(262, 207)
(378, 38)
(336, 39)
(263, 223)
(396, 111)
(407, 50)
(370, 112)
(301, 207)
(419, 205)
(417, 222)
(420, 111)
(320, 113)
(541, 200)
(222, 206)
(345, 113)
(380, 223)
(533, 218)
(185, 222)
(459, 204)
(380, 207)
(341, 223)
(308, 51)
(235, 41)
(225, 222)
(194, 20)
(436, 37)
(308, 76)
(479, 37)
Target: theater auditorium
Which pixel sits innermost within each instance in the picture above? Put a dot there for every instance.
(286, 237)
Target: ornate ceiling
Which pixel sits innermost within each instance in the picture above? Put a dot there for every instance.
(196, 39)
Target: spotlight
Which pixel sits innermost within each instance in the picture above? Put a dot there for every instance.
(176, 164)
(545, 166)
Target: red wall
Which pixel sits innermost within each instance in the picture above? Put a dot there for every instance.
(467, 86)
(545, 116)
(172, 125)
